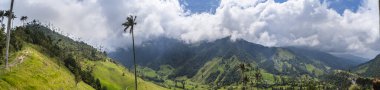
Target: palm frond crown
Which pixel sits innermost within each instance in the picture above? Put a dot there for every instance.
(131, 21)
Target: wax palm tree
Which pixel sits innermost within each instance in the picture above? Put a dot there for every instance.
(23, 19)
(7, 13)
(10, 16)
(13, 16)
(131, 21)
(2, 14)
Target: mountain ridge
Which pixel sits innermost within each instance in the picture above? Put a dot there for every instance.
(275, 60)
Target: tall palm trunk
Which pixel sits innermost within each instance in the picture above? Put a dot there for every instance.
(134, 57)
(9, 33)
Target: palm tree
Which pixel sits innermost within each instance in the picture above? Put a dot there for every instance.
(10, 16)
(2, 14)
(23, 19)
(131, 21)
(7, 13)
(13, 16)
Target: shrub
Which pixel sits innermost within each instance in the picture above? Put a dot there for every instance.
(354, 87)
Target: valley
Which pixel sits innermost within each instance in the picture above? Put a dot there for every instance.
(189, 45)
(217, 65)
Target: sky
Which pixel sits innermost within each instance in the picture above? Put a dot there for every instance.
(334, 26)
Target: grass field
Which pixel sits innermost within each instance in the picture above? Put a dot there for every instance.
(30, 70)
(111, 76)
(37, 71)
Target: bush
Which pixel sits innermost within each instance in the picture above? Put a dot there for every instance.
(376, 84)
(354, 87)
(84, 75)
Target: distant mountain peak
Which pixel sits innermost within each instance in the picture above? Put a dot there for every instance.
(228, 38)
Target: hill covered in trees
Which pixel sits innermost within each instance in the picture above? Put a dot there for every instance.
(276, 60)
(225, 63)
(370, 68)
(41, 58)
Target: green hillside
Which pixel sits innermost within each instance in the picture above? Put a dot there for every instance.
(370, 68)
(30, 69)
(43, 59)
(224, 72)
(218, 71)
(116, 77)
(216, 64)
(189, 59)
(276, 60)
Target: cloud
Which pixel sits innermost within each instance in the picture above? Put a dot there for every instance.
(292, 23)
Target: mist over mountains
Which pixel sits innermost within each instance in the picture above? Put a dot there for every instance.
(178, 54)
(331, 26)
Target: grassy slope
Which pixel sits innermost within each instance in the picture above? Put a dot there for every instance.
(216, 65)
(38, 71)
(111, 76)
(207, 69)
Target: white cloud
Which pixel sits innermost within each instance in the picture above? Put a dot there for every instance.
(292, 23)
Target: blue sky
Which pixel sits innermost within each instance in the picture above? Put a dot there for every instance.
(199, 6)
(341, 5)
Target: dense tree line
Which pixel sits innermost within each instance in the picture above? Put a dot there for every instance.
(2, 45)
(80, 74)
(55, 43)
(15, 44)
